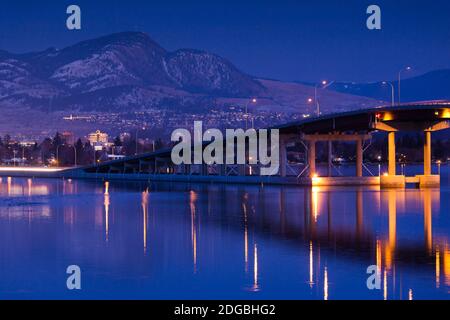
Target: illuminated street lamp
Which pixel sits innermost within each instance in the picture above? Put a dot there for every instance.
(399, 82)
(392, 91)
(253, 100)
(324, 84)
(439, 162)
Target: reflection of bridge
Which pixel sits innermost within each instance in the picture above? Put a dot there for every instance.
(356, 126)
(369, 228)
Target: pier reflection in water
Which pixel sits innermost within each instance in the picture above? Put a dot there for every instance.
(221, 241)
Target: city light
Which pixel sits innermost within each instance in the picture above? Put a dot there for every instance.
(29, 169)
(315, 179)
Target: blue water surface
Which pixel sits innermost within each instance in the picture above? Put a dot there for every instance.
(213, 241)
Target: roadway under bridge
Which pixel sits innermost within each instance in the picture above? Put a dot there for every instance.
(356, 126)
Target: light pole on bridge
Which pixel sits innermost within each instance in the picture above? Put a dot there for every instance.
(392, 91)
(324, 84)
(399, 82)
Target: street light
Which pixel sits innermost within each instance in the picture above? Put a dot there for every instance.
(75, 155)
(253, 100)
(399, 82)
(324, 85)
(392, 91)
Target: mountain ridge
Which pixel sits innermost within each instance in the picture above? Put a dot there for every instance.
(128, 72)
(432, 85)
(130, 58)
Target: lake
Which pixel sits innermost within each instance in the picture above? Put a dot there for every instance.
(213, 241)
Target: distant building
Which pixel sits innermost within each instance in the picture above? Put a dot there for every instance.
(27, 144)
(125, 136)
(73, 118)
(98, 139)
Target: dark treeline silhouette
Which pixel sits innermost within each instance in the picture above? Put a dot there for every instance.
(57, 151)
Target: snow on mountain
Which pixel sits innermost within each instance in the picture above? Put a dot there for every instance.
(128, 62)
(199, 71)
(129, 71)
(17, 82)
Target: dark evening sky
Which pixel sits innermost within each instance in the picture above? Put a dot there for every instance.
(288, 40)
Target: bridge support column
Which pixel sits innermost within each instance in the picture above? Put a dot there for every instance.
(392, 180)
(427, 154)
(359, 158)
(391, 151)
(312, 158)
(428, 179)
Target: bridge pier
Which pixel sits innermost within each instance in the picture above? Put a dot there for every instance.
(392, 180)
(428, 179)
(329, 138)
(312, 158)
(392, 154)
(427, 154)
(359, 158)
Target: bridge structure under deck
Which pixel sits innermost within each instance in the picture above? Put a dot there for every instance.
(355, 126)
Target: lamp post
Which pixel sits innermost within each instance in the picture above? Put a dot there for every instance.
(253, 100)
(392, 91)
(324, 85)
(75, 155)
(379, 158)
(399, 82)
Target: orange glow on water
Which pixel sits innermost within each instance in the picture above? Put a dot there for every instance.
(193, 199)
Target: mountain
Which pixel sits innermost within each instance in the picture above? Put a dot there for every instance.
(128, 60)
(129, 72)
(434, 85)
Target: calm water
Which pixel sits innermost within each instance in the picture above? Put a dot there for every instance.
(180, 241)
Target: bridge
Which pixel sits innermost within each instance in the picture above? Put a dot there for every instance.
(356, 126)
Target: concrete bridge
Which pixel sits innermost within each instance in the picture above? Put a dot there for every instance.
(356, 126)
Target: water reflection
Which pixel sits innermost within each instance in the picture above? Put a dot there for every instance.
(106, 204)
(145, 217)
(255, 268)
(270, 242)
(192, 202)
